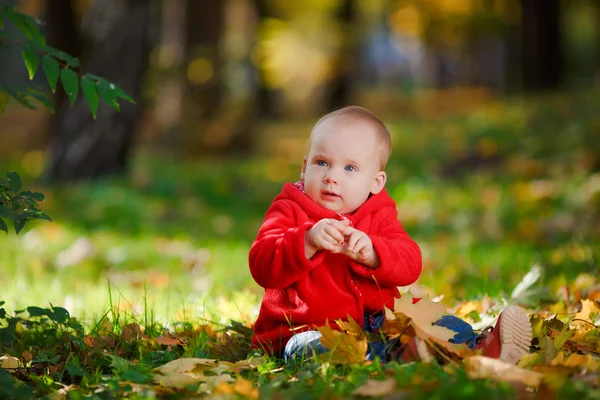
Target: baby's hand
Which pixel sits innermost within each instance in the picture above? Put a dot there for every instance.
(359, 247)
(325, 235)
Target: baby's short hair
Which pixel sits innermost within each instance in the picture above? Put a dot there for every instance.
(383, 135)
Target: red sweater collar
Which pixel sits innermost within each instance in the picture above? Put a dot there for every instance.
(374, 203)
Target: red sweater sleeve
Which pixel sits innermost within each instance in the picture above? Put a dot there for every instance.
(277, 257)
(400, 261)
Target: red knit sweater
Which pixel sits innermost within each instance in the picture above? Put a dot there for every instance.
(301, 294)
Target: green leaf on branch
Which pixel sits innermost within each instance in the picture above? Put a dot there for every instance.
(41, 97)
(31, 58)
(51, 69)
(107, 92)
(70, 83)
(14, 181)
(34, 31)
(3, 226)
(37, 196)
(4, 212)
(19, 222)
(39, 215)
(121, 93)
(90, 93)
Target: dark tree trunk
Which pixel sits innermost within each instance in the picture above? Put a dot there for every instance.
(341, 86)
(118, 32)
(542, 53)
(204, 25)
(63, 34)
(268, 100)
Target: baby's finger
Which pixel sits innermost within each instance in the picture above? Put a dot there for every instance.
(352, 241)
(327, 245)
(339, 225)
(334, 233)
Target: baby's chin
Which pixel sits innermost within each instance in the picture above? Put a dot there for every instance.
(339, 210)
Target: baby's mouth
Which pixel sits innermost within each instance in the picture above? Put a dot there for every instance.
(330, 194)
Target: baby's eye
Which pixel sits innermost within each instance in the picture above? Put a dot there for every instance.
(350, 168)
(321, 163)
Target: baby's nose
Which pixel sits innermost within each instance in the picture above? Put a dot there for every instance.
(329, 178)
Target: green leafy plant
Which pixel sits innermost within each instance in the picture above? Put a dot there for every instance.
(56, 65)
(18, 206)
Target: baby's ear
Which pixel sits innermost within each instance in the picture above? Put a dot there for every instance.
(303, 172)
(378, 182)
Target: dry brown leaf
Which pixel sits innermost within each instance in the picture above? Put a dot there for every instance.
(480, 367)
(26, 356)
(167, 340)
(423, 314)
(587, 361)
(184, 372)
(187, 365)
(9, 362)
(132, 332)
(376, 388)
(89, 340)
(396, 325)
(344, 348)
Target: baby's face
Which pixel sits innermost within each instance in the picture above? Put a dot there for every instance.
(342, 166)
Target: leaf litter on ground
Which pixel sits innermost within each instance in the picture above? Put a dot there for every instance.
(564, 351)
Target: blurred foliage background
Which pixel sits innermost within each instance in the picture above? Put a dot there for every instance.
(493, 107)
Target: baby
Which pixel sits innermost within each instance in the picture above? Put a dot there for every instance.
(331, 245)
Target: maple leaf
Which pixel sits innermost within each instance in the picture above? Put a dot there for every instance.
(344, 348)
(351, 327)
(584, 317)
(423, 314)
(480, 367)
(398, 325)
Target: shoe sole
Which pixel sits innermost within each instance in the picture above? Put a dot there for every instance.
(515, 334)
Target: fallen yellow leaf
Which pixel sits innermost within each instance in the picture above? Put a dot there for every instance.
(9, 362)
(423, 314)
(583, 318)
(376, 388)
(245, 388)
(351, 327)
(480, 367)
(184, 372)
(344, 348)
(576, 361)
(467, 308)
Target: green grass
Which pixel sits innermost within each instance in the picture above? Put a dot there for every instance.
(167, 246)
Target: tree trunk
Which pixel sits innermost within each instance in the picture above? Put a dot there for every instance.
(542, 54)
(62, 34)
(340, 92)
(82, 147)
(268, 100)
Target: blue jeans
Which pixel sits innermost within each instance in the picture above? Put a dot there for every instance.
(308, 343)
